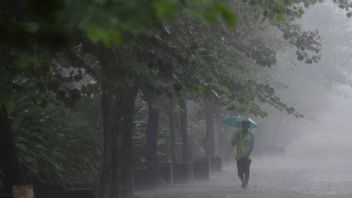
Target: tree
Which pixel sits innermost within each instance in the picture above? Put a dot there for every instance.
(126, 46)
(183, 117)
(151, 147)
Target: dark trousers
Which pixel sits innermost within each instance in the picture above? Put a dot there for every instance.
(243, 165)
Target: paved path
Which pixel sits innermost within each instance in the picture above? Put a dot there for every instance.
(274, 177)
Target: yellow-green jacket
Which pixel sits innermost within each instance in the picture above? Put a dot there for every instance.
(244, 144)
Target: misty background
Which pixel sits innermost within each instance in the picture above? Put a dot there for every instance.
(321, 92)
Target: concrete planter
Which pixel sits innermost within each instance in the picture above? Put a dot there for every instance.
(79, 191)
(22, 191)
(182, 173)
(167, 173)
(215, 164)
(141, 179)
(201, 169)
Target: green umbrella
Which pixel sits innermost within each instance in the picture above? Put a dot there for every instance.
(236, 121)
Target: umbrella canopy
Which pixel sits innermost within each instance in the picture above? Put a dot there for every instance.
(236, 121)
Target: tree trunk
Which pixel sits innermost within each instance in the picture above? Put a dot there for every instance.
(121, 172)
(126, 145)
(186, 152)
(210, 140)
(115, 162)
(12, 170)
(110, 117)
(107, 109)
(221, 141)
(152, 159)
(172, 124)
(118, 105)
(113, 106)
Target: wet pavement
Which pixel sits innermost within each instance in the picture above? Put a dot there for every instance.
(271, 177)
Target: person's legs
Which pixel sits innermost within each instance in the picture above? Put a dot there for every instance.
(246, 164)
(240, 170)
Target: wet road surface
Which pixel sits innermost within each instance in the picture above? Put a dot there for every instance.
(271, 177)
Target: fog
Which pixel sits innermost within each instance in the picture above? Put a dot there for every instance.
(321, 92)
(316, 159)
(317, 148)
(326, 132)
(111, 99)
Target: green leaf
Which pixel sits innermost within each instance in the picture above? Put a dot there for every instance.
(226, 14)
(108, 36)
(280, 6)
(165, 9)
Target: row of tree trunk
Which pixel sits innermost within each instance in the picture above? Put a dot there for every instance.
(118, 108)
(117, 113)
(116, 177)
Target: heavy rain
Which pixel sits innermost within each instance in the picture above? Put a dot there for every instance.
(175, 99)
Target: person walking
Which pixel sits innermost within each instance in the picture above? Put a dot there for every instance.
(244, 142)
